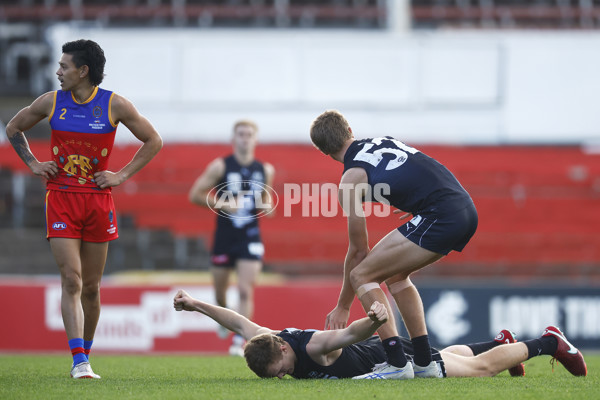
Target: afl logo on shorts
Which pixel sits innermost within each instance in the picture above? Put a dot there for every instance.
(59, 226)
(97, 111)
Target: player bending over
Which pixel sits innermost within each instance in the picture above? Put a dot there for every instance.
(388, 171)
(353, 351)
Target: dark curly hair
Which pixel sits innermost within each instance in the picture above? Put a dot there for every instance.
(87, 52)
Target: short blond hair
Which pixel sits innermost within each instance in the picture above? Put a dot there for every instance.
(262, 351)
(329, 131)
(245, 122)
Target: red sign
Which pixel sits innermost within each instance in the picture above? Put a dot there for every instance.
(142, 318)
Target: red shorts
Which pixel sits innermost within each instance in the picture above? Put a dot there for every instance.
(90, 217)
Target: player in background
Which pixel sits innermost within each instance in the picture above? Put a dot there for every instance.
(234, 187)
(352, 351)
(444, 219)
(80, 213)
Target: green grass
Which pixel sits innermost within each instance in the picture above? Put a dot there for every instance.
(215, 378)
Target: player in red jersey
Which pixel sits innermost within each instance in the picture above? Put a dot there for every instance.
(80, 213)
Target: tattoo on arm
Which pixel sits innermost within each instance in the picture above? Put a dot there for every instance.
(21, 146)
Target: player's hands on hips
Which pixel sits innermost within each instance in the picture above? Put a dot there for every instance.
(182, 301)
(105, 179)
(337, 318)
(46, 169)
(378, 312)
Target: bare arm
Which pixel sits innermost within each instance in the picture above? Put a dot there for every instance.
(224, 316)
(323, 343)
(266, 196)
(25, 120)
(124, 111)
(206, 182)
(358, 245)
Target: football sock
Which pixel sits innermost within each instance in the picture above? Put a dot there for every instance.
(76, 346)
(482, 347)
(544, 345)
(394, 351)
(422, 350)
(87, 347)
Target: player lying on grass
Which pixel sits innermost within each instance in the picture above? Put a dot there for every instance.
(352, 351)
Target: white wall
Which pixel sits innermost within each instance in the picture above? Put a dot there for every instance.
(452, 87)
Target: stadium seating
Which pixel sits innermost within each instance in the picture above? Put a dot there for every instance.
(204, 13)
(522, 14)
(508, 14)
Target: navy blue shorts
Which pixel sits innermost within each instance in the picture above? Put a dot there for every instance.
(227, 254)
(442, 232)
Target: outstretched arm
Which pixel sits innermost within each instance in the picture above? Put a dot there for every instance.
(224, 316)
(323, 343)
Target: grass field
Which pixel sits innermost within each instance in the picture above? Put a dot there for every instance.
(215, 378)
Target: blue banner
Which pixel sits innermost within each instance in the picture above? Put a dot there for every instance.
(460, 315)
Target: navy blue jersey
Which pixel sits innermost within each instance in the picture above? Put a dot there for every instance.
(241, 228)
(356, 359)
(417, 183)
